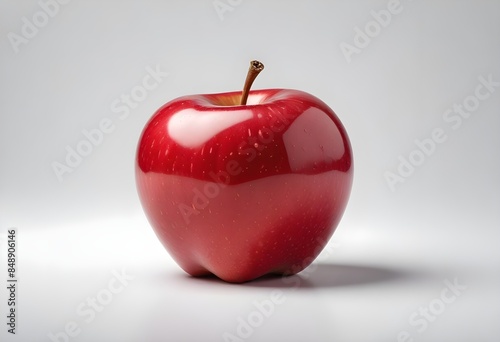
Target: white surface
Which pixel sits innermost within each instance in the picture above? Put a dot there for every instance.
(393, 251)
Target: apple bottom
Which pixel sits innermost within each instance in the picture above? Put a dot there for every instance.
(240, 232)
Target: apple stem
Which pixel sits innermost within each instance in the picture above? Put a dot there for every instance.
(255, 68)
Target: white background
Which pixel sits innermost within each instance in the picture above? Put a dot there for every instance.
(393, 250)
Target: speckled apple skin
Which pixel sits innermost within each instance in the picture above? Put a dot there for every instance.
(244, 191)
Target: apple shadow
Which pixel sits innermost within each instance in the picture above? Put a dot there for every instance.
(323, 275)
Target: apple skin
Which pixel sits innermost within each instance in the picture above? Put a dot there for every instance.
(243, 191)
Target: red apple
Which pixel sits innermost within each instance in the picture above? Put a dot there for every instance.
(240, 191)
